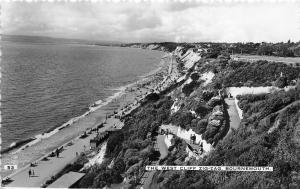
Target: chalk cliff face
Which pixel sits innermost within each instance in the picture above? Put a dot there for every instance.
(148, 46)
(188, 56)
(179, 51)
(156, 47)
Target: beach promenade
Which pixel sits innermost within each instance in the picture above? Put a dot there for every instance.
(44, 170)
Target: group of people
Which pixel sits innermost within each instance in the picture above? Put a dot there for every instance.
(192, 139)
(31, 173)
(201, 148)
(56, 153)
(164, 132)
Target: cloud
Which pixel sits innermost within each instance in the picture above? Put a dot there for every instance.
(137, 22)
(142, 20)
(180, 6)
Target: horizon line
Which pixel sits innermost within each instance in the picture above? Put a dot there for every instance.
(145, 42)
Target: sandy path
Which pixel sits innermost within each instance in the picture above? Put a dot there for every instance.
(233, 114)
(162, 147)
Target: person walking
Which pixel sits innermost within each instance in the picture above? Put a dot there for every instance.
(57, 153)
(32, 172)
(29, 172)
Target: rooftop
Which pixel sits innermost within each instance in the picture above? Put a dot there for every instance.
(67, 180)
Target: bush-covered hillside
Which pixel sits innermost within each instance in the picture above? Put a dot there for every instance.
(230, 73)
(267, 136)
(130, 148)
(269, 139)
(213, 50)
(260, 73)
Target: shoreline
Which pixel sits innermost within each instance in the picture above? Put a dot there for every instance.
(24, 143)
(97, 112)
(35, 127)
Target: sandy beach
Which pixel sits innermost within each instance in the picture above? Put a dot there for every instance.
(123, 104)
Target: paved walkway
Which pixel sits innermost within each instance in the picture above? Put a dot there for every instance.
(233, 115)
(45, 169)
(162, 147)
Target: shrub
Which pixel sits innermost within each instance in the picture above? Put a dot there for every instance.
(258, 73)
(201, 126)
(152, 97)
(207, 95)
(281, 82)
(214, 102)
(195, 76)
(182, 119)
(217, 85)
(202, 110)
(189, 88)
(114, 142)
(132, 160)
(160, 179)
(154, 155)
(194, 123)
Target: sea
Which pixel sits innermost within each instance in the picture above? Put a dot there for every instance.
(45, 83)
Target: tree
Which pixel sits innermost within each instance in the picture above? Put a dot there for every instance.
(202, 110)
(152, 97)
(182, 119)
(189, 88)
(118, 168)
(281, 82)
(207, 95)
(195, 76)
(154, 155)
(217, 85)
(114, 141)
(265, 49)
(201, 126)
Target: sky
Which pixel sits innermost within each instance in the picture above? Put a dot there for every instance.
(155, 21)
